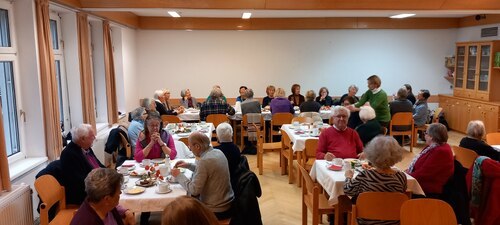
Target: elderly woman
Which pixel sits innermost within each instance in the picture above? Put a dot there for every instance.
(434, 165)
(296, 98)
(149, 104)
(270, 96)
(382, 152)
(352, 90)
(185, 210)
(280, 103)
(231, 151)
(101, 205)
(188, 101)
(215, 104)
(410, 97)
(324, 98)
(474, 140)
(241, 97)
(154, 142)
(370, 127)
(339, 141)
(377, 98)
(139, 115)
(354, 120)
(310, 105)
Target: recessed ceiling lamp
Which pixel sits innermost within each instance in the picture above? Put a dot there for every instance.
(401, 16)
(246, 15)
(174, 14)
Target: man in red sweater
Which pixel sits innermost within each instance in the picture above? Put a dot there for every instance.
(339, 141)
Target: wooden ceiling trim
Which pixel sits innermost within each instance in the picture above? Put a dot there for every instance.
(69, 3)
(167, 23)
(297, 4)
(471, 20)
(124, 18)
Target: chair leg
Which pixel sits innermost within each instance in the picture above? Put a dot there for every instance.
(282, 163)
(260, 161)
(315, 217)
(299, 162)
(304, 212)
(290, 167)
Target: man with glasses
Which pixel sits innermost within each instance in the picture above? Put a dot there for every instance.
(339, 141)
(77, 160)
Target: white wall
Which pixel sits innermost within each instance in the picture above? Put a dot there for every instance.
(130, 65)
(474, 33)
(312, 58)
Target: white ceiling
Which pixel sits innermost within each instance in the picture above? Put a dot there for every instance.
(236, 13)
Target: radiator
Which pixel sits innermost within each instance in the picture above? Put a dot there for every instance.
(16, 206)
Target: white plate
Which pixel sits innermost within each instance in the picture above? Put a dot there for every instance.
(134, 190)
(183, 134)
(304, 135)
(166, 192)
(158, 160)
(129, 168)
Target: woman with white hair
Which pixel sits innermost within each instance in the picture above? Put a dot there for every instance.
(474, 140)
(139, 115)
(382, 152)
(370, 127)
(231, 151)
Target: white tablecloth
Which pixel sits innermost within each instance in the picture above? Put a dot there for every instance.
(325, 114)
(150, 201)
(333, 181)
(496, 147)
(190, 115)
(194, 126)
(299, 141)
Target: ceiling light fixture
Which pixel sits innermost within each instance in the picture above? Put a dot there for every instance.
(174, 14)
(246, 15)
(401, 16)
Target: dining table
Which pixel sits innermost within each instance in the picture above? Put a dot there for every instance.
(333, 181)
(150, 200)
(183, 130)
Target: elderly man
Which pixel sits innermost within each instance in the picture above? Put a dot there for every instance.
(250, 105)
(211, 180)
(77, 160)
(215, 105)
(339, 141)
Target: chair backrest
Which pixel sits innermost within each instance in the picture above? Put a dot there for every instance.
(286, 142)
(427, 211)
(314, 115)
(170, 119)
(493, 138)
(217, 119)
(435, 116)
(244, 121)
(310, 187)
(368, 205)
(50, 192)
(310, 149)
(401, 119)
(383, 130)
(465, 156)
(281, 118)
(303, 120)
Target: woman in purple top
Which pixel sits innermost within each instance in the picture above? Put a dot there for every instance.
(154, 142)
(280, 103)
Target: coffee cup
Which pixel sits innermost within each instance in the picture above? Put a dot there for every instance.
(146, 162)
(338, 162)
(123, 170)
(162, 187)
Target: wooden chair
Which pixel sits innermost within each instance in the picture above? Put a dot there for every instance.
(184, 140)
(286, 156)
(435, 119)
(402, 119)
(465, 156)
(315, 116)
(493, 138)
(263, 147)
(279, 119)
(368, 206)
(216, 119)
(244, 127)
(427, 211)
(313, 199)
(225, 222)
(51, 192)
(308, 156)
(303, 120)
(384, 130)
(170, 119)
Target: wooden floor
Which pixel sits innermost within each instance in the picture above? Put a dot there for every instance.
(280, 203)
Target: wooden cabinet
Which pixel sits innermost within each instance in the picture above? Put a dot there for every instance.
(474, 74)
(459, 111)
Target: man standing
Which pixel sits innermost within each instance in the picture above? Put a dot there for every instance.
(77, 160)
(210, 182)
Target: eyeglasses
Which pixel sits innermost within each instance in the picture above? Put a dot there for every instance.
(341, 116)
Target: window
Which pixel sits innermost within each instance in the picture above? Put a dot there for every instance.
(8, 98)
(62, 87)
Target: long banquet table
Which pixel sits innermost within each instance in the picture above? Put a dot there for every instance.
(333, 181)
(194, 115)
(149, 200)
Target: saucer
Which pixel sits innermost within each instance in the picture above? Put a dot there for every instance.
(166, 192)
